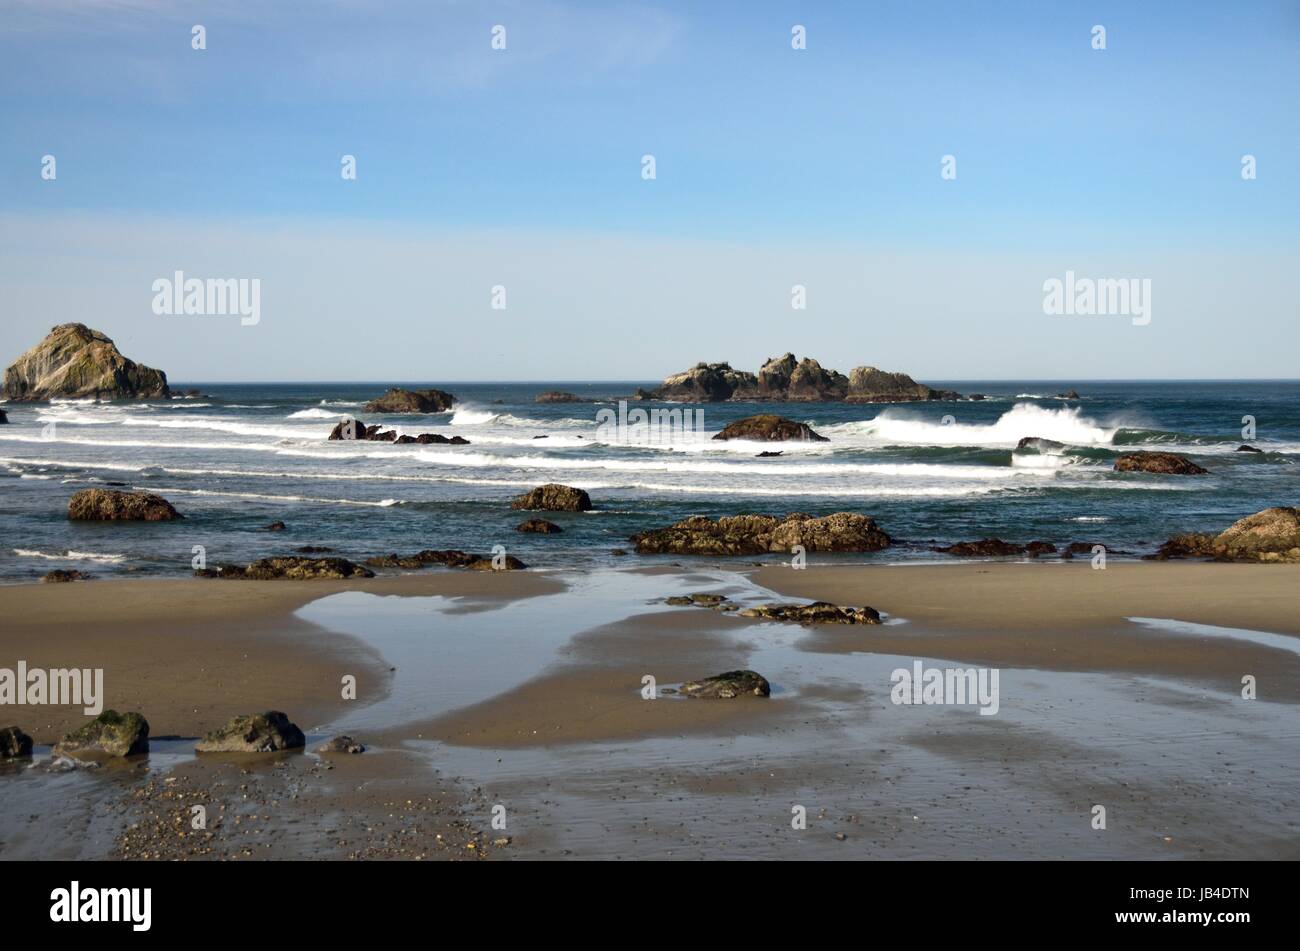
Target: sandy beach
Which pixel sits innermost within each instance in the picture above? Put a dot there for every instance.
(523, 689)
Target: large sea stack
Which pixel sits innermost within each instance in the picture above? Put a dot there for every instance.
(75, 362)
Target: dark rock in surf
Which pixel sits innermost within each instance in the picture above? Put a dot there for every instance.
(767, 427)
(14, 743)
(539, 526)
(1039, 445)
(4, 418)
(1164, 463)
(275, 527)
(399, 401)
(288, 569)
(1068, 395)
(553, 497)
(559, 396)
(1245, 448)
(62, 576)
(268, 732)
(108, 505)
(984, 548)
(491, 563)
(767, 454)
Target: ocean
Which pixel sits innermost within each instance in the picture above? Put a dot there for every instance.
(244, 455)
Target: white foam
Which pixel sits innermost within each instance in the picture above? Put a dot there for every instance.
(315, 413)
(1065, 425)
(70, 556)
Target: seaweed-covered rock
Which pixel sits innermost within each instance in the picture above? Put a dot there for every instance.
(767, 427)
(109, 734)
(14, 743)
(63, 576)
(758, 534)
(489, 563)
(289, 568)
(1165, 463)
(401, 401)
(256, 733)
(819, 612)
(729, 685)
(110, 505)
(74, 361)
(553, 497)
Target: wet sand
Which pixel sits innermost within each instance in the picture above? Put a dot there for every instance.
(522, 690)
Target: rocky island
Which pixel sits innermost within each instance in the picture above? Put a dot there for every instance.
(789, 379)
(75, 362)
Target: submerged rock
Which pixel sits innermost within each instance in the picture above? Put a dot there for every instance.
(767, 427)
(757, 534)
(109, 734)
(819, 612)
(276, 527)
(74, 361)
(450, 558)
(14, 743)
(1165, 463)
(341, 744)
(288, 568)
(729, 685)
(553, 497)
(401, 401)
(539, 526)
(62, 576)
(109, 505)
(257, 733)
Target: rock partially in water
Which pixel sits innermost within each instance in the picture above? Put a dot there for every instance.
(757, 534)
(869, 385)
(819, 612)
(267, 732)
(1245, 448)
(1272, 535)
(559, 396)
(62, 576)
(4, 418)
(1068, 395)
(768, 427)
(14, 743)
(539, 526)
(1039, 445)
(1164, 463)
(109, 734)
(553, 497)
(275, 527)
(399, 401)
(341, 744)
(75, 362)
(110, 505)
(984, 548)
(489, 563)
(728, 686)
(289, 568)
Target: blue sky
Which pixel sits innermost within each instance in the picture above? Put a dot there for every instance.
(1128, 158)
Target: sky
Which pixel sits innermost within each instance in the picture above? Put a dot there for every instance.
(522, 168)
